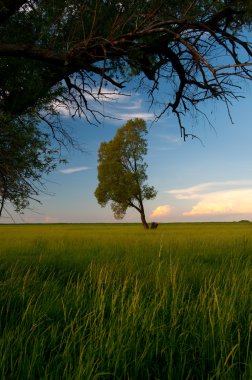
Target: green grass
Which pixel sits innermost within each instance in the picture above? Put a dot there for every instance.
(117, 302)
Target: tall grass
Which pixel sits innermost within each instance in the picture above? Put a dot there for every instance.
(118, 302)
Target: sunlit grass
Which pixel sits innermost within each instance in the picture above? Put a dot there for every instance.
(118, 302)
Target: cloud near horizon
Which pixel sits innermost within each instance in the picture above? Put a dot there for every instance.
(161, 211)
(42, 219)
(234, 198)
(224, 202)
(196, 191)
(52, 219)
(74, 170)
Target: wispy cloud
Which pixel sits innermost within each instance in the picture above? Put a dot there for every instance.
(217, 198)
(174, 139)
(197, 191)
(139, 115)
(161, 211)
(74, 170)
(121, 106)
(134, 105)
(106, 95)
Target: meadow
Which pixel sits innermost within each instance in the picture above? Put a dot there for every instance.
(97, 301)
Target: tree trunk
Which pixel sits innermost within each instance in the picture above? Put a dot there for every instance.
(2, 201)
(145, 224)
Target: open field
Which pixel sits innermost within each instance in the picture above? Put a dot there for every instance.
(117, 302)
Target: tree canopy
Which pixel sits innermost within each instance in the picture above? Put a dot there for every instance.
(122, 172)
(63, 49)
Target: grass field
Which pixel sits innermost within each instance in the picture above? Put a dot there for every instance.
(117, 302)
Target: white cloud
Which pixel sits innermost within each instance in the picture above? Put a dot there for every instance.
(105, 95)
(74, 170)
(121, 106)
(217, 198)
(64, 111)
(195, 192)
(223, 202)
(161, 211)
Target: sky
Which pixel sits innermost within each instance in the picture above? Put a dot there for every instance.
(197, 181)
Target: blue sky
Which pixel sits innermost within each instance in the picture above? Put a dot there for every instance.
(195, 182)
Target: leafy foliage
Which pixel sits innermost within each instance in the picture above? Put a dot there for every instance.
(122, 172)
(25, 156)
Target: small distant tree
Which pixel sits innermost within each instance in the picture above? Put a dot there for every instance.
(122, 172)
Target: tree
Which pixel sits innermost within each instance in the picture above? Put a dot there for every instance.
(66, 48)
(24, 158)
(122, 172)
(65, 52)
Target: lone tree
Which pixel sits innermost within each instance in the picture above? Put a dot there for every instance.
(122, 172)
